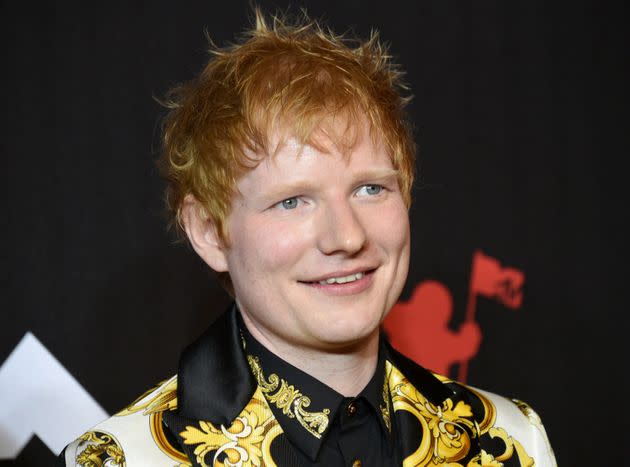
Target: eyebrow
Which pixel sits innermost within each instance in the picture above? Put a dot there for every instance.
(377, 174)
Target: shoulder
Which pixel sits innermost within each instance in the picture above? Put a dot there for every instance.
(133, 436)
(503, 428)
(513, 422)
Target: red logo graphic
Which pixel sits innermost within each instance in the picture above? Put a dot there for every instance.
(420, 329)
(489, 279)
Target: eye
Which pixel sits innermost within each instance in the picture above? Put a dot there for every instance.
(370, 190)
(289, 203)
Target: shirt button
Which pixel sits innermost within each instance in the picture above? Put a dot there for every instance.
(351, 410)
(356, 463)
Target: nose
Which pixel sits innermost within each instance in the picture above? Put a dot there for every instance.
(341, 230)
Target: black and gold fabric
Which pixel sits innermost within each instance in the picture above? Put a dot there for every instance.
(234, 403)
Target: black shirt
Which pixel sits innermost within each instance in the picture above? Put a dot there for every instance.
(358, 430)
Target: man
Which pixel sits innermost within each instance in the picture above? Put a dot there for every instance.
(290, 165)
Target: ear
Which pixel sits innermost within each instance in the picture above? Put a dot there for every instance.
(203, 235)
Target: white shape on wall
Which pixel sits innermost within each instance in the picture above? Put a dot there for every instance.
(38, 396)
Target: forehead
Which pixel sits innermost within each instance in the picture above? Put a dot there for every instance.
(342, 134)
(295, 165)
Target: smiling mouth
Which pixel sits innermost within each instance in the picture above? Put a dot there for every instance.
(341, 279)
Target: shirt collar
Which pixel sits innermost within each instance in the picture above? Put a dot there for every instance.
(215, 381)
(304, 406)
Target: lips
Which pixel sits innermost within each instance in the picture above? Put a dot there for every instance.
(343, 284)
(341, 277)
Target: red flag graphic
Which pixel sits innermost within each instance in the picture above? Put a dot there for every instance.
(490, 280)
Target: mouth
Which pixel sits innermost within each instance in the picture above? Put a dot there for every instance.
(342, 283)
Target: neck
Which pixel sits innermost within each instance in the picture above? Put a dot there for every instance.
(346, 369)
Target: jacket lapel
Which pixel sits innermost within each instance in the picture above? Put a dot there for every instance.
(434, 421)
(214, 379)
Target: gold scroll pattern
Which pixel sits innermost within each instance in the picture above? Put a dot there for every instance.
(97, 449)
(162, 397)
(448, 428)
(386, 409)
(290, 400)
(246, 443)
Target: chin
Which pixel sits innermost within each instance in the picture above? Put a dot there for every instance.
(343, 335)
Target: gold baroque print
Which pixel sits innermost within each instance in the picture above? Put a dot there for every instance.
(244, 444)
(386, 409)
(483, 459)
(449, 426)
(489, 411)
(101, 449)
(290, 400)
(162, 442)
(511, 445)
(160, 398)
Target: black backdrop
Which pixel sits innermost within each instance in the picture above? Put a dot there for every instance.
(517, 107)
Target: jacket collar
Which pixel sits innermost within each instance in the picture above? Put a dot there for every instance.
(214, 379)
(215, 382)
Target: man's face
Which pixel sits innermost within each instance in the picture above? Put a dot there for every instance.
(319, 245)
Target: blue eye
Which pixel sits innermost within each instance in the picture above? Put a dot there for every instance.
(289, 203)
(370, 190)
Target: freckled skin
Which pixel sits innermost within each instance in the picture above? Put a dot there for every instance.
(334, 219)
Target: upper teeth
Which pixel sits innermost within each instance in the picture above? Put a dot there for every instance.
(342, 280)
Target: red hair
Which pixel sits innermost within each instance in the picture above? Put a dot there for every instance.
(290, 75)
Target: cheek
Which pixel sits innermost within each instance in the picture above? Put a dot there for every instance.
(267, 247)
(391, 228)
(395, 238)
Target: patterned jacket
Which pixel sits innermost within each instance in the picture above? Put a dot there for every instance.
(216, 412)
